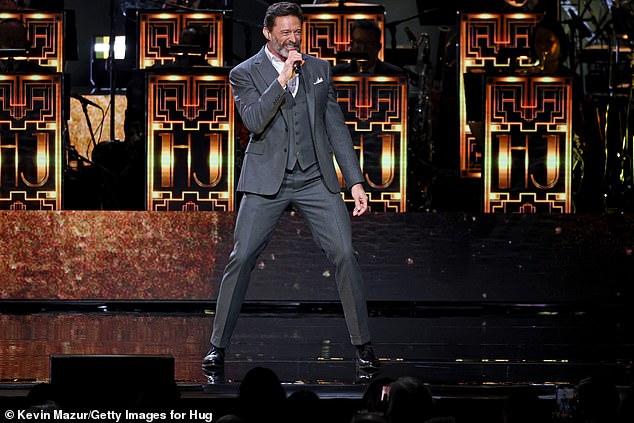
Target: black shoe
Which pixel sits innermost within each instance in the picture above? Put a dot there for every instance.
(366, 361)
(214, 360)
(215, 377)
(364, 378)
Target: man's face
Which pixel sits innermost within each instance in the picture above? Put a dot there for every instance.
(547, 45)
(286, 33)
(364, 41)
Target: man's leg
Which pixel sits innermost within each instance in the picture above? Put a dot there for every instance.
(255, 223)
(329, 222)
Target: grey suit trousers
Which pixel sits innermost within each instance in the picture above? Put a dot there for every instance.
(329, 222)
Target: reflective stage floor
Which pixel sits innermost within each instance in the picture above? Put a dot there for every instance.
(473, 305)
(307, 343)
(471, 356)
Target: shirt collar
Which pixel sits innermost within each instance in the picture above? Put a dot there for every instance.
(278, 64)
(276, 61)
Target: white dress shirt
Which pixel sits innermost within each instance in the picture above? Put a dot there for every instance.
(293, 84)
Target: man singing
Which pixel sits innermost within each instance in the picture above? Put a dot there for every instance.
(287, 101)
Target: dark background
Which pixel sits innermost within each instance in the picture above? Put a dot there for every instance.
(93, 18)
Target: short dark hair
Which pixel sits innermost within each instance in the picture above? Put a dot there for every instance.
(283, 8)
(13, 34)
(195, 35)
(367, 25)
(550, 24)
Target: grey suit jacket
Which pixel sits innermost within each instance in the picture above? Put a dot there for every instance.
(259, 96)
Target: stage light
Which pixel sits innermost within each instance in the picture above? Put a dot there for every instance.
(101, 47)
(99, 74)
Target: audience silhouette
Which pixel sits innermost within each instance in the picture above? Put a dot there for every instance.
(304, 406)
(262, 399)
(375, 396)
(368, 418)
(42, 397)
(230, 418)
(626, 412)
(522, 406)
(597, 400)
(405, 399)
(410, 400)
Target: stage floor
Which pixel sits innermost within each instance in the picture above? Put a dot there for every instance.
(307, 343)
(469, 303)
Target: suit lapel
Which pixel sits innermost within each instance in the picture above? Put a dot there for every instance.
(264, 68)
(307, 81)
(267, 72)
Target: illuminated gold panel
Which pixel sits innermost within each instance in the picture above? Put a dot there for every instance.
(159, 31)
(528, 142)
(30, 141)
(375, 110)
(78, 131)
(326, 28)
(190, 143)
(482, 37)
(45, 34)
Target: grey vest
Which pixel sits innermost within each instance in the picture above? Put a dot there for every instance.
(300, 144)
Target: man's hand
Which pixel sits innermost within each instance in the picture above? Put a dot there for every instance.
(360, 200)
(287, 71)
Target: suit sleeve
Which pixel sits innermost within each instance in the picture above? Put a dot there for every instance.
(256, 108)
(340, 140)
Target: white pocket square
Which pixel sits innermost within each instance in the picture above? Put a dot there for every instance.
(318, 81)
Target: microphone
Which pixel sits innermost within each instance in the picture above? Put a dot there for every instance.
(85, 102)
(297, 66)
(410, 35)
